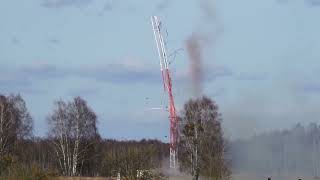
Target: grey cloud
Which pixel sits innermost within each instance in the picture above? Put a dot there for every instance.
(22, 79)
(54, 41)
(218, 92)
(84, 91)
(9, 78)
(311, 88)
(252, 76)
(11, 83)
(217, 72)
(313, 3)
(210, 74)
(26, 77)
(310, 3)
(65, 3)
(15, 40)
(114, 73)
(163, 5)
(18, 84)
(40, 72)
(108, 6)
(117, 73)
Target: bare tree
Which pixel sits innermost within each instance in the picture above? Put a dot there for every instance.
(15, 122)
(73, 130)
(202, 147)
(24, 119)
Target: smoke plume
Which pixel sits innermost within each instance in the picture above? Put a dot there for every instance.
(195, 54)
(202, 37)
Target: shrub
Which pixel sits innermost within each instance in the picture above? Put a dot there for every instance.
(20, 172)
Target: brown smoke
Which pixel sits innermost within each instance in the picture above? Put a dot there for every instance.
(203, 36)
(193, 46)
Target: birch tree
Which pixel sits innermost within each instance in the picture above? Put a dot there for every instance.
(15, 122)
(202, 147)
(72, 130)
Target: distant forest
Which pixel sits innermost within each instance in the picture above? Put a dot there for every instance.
(294, 151)
(106, 158)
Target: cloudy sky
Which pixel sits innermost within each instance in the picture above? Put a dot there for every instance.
(260, 58)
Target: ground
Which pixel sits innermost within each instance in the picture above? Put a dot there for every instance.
(235, 177)
(84, 178)
(255, 177)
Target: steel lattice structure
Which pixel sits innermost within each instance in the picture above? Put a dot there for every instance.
(167, 84)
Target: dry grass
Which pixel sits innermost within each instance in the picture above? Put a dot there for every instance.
(256, 177)
(105, 178)
(84, 178)
(180, 178)
(234, 177)
(253, 177)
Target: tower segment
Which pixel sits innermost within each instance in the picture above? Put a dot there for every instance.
(167, 84)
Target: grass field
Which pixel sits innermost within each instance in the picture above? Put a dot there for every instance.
(84, 178)
(235, 177)
(256, 177)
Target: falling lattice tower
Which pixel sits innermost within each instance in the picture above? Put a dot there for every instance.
(167, 84)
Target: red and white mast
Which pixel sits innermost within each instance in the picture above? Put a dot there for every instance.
(167, 84)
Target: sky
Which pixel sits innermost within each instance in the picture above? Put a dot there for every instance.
(260, 60)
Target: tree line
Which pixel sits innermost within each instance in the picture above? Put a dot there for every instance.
(294, 151)
(74, 147)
